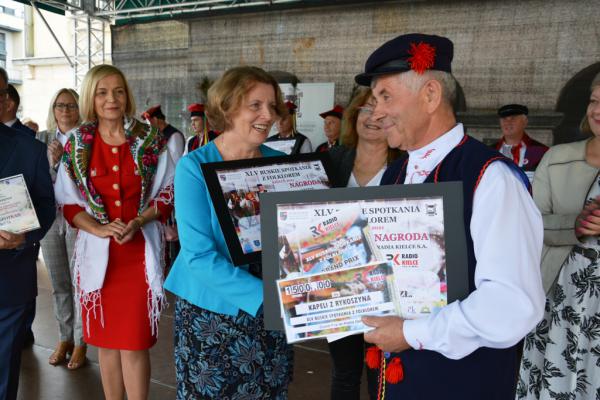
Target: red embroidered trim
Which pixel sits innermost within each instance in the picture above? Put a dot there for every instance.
(381, 388)
(400, 173)
(487, 164)
(420, 345)
(437, 169)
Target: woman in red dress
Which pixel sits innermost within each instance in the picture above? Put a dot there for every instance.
(114, 183)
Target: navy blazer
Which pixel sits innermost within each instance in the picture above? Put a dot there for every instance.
(18, 125)
(23, 154)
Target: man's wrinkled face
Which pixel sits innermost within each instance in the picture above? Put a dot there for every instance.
(513, 126)
(332, 127)
(402, 111)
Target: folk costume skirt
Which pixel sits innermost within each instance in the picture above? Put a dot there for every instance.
(223, 357)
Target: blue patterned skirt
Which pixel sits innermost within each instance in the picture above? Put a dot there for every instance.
(228, 358)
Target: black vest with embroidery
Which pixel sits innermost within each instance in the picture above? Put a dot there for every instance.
(485, 374)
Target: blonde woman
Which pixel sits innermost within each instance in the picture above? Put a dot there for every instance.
(57, 245)
(114, 182)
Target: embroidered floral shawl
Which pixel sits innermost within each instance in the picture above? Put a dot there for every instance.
(145, 143)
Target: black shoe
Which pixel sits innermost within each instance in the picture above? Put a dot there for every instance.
(28, 340)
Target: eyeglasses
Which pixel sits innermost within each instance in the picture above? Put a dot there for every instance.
(365, 110)
(66, 106)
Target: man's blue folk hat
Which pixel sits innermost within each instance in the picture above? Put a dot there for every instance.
(512, 109)
(414, 51)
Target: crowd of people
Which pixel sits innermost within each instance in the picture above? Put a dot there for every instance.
(121, 201)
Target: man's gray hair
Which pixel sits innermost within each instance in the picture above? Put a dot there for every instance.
(415, 81)
(4, 75)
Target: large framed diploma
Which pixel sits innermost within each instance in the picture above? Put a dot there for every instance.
(17, 214)
(418, 230)
(237, 188)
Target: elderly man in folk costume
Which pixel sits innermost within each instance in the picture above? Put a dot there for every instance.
(465, 350)
(332, 127)
(515, 142)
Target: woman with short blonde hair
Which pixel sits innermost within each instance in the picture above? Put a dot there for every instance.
(57, 245)
(51, 119)
(114, 183)
(220, 339)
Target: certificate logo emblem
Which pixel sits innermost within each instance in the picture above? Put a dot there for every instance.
(431, 210)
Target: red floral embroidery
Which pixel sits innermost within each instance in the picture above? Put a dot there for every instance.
(149, 158)
(86, 136)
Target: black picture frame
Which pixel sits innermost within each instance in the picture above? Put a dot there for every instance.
(454, 233)
(211, 170)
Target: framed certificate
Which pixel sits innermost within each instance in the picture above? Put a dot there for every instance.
(17, 214)
(417, 229)
(237, 188)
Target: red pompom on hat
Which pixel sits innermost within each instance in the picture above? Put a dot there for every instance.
(336, 111)
(196, 109)
(422, 57)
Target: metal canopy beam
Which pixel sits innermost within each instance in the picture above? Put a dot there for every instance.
(135, 9)
(132, 11)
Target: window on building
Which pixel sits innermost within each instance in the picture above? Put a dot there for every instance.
(2, 50)
(7, 10)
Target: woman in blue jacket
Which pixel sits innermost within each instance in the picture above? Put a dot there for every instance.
(221, 347)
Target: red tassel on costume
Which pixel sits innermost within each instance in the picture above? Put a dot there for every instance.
(395, 371)
(373, 357)
(422, 57)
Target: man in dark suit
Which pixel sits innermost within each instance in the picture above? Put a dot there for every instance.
(9, 113)
(20, 154)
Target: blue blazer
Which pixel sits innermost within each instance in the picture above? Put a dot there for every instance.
(203, 273)
(18, 125)
(23, 154)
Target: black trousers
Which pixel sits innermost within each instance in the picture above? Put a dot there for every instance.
(12, 329)
(347, 355)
